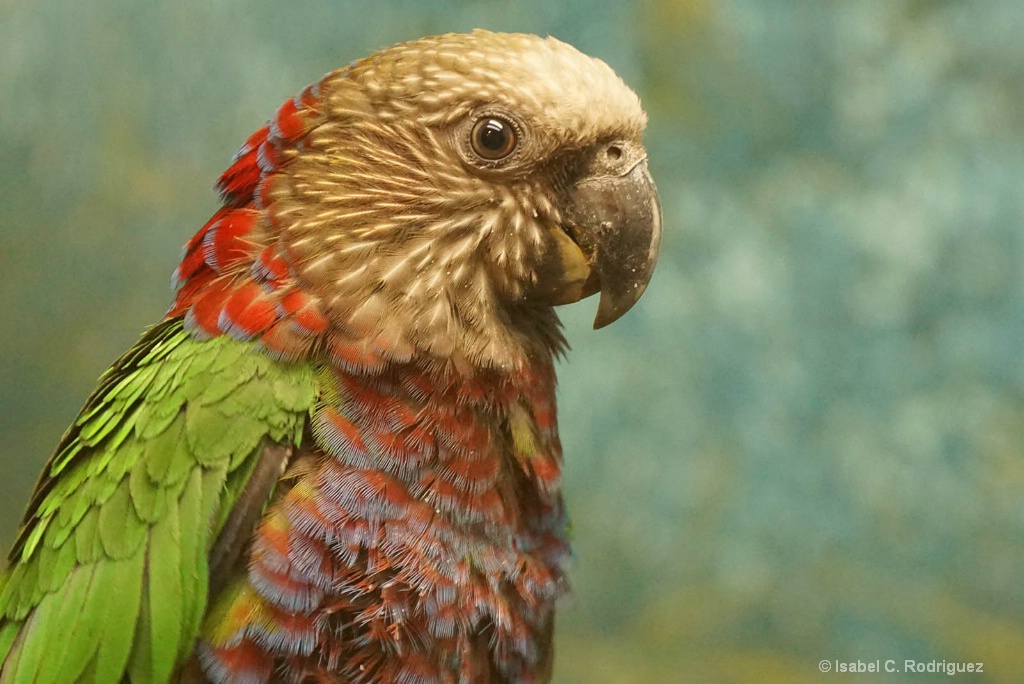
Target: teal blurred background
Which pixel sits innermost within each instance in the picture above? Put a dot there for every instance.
(805, 442)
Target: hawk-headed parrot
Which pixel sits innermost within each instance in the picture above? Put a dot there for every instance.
(337, 458)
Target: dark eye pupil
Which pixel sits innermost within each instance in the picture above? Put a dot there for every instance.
(493, 138)
(493, 135)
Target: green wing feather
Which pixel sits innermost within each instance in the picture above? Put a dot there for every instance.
(109, 574)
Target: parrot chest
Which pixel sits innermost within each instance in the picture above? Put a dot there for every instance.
(428, 539)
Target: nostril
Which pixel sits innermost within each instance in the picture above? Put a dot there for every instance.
(613, 152)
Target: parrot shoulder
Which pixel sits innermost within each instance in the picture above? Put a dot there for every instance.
(137, 507)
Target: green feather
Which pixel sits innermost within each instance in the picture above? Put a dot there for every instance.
(222, 387)
(12, 580)
(226, 361)
(112, 562)
(140, 662)
(8, 632)
(29, 589)
(31, 646)
(155, 419)
(47, 564)
(119, 603)
(167, 460)
(124, 459)
(166, 604)
(193, 567)
(293, 396)
(149, 498)
(76, 625)
(94, 430)
(34, 538)
(212, 492)
(63, 564)
(87, 539)
(120, 529)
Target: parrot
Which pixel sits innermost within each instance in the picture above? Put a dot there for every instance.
(336, 458)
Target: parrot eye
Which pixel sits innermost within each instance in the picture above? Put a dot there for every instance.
(493, 138)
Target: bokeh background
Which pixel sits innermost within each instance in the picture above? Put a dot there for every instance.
(805, 443)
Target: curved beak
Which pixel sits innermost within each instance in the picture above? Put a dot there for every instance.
(615, 219)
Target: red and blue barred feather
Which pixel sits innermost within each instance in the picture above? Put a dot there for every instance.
(408, 547)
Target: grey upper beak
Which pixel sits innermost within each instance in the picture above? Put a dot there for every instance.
(617, 223)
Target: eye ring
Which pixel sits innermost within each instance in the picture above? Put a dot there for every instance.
(493, 138)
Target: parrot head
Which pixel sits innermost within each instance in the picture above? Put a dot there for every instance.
(442, 195)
